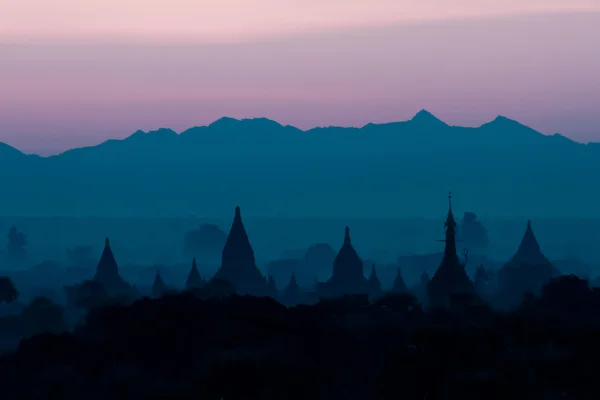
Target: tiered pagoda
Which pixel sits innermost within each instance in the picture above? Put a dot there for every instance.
(450, 280)
(348, 277)
(237, 262)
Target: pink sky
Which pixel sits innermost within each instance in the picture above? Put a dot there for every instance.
(215, 20)
(78, 72)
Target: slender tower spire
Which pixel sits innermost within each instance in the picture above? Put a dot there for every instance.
(450, 224)
(347, 236)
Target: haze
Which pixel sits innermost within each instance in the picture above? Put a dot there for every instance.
(77, 73)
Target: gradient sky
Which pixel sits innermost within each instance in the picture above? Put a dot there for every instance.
(77, 72)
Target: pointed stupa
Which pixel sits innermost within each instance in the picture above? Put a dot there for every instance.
(291, 294)
(529, 251)
(158, 287)
(450, 279)
(347, 263)
(399, 285)
(374, 284)
(194, 280)
(107, 271)
(526, 271)
(347, 277)
(272, 287)
(237, 262)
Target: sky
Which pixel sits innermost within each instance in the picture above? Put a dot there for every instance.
(76, 73)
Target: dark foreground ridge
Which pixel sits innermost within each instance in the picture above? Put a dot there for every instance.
(241, 347)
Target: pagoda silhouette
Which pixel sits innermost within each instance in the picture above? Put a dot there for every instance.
(159, 287)
(348, 276)
(238, 266)
(107, 274)
(399, 285)
(450, 280)
(291, 293)
(374, 285)
(194, 280)
(527, 271)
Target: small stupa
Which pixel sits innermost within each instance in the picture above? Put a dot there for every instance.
(158, 287)
(399, 285)
(194, 280)
(374, 285)
(347, 277)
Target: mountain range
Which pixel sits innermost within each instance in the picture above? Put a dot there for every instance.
(400, 169)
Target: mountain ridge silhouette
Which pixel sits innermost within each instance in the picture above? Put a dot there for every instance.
(501, 168)
(423, 117)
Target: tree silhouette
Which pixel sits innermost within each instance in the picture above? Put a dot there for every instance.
(473, 232)
(8, 293)
(43, 315)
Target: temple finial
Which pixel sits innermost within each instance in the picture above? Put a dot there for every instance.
(238, 212)
(347, 235)
(194, 262)
(450, 200)
(106, 242)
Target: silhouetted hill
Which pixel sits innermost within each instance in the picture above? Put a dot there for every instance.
(401, 169)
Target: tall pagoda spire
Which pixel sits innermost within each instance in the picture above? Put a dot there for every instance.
(347, 240)
(450, 279)
(450, 224)
(238, 265)
(107, 270)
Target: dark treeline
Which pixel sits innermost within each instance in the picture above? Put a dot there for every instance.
(523, 330)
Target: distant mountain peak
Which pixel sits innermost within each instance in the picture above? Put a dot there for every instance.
(224, 121)
(159, 133)
(501, 121)
(424, 117)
